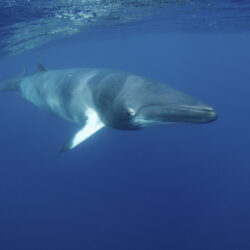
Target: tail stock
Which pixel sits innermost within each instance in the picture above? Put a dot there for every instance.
(12, 84)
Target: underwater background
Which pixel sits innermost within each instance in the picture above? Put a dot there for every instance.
(171, 188)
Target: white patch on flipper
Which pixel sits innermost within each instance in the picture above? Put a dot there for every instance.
(93, 124)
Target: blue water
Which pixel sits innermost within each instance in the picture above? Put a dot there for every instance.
(175, 188)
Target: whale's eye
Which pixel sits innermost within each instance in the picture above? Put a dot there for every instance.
(131, 112)
(128, 114)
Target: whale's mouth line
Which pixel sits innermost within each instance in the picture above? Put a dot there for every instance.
(175, 113)
(173, 108)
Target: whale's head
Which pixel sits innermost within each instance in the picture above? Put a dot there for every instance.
(141, 103)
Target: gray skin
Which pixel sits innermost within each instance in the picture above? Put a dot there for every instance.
(121, 100)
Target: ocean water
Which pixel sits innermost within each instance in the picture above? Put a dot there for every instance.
(168, 188)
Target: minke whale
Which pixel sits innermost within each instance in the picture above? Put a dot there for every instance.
(98, 98)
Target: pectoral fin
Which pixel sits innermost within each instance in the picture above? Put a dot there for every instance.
(92, 125)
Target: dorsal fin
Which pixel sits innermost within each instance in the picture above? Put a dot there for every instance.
(41, 67)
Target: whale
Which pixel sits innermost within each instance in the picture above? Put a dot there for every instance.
(97, 98)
